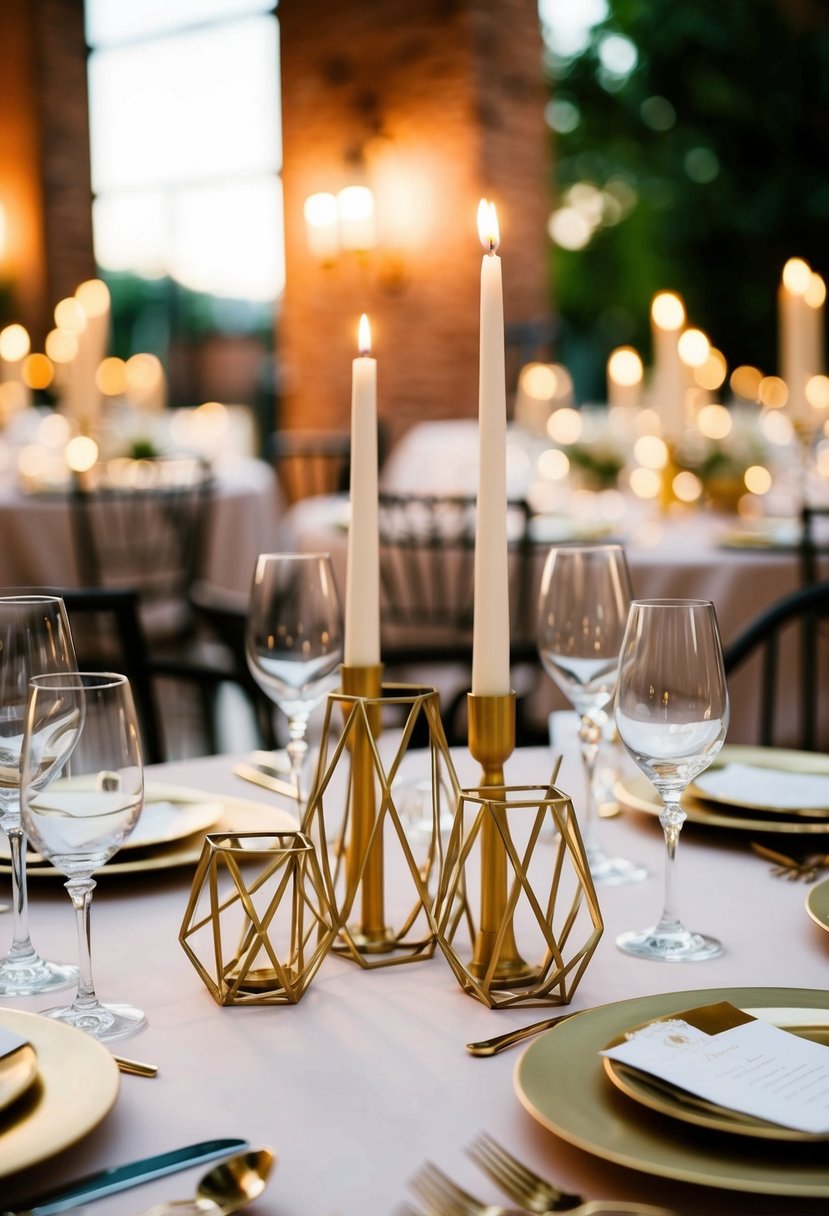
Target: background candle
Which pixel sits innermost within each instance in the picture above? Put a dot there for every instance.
(362, 593)
(490, 638)
(669, 380)
(795, 353)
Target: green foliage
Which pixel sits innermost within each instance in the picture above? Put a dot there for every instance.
(735, 186)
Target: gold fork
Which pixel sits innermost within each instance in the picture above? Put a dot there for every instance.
(517, 1180)
(441, 1196)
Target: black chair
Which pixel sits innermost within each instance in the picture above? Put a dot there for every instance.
(427, 557)
(310, 463)
(812, 545)
(143, 524)
(800, 617)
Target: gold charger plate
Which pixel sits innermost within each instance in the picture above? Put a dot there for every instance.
(667, 1100)
(237, 815)
(817, 903)
(76, 1087)
(560, 1080)
(778, 758)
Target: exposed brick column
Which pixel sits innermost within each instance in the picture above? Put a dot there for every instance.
(441, 102)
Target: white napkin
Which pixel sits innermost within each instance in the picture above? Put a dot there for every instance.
(10, 1042)
(755, 786)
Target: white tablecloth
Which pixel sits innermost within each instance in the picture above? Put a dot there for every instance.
(37, 547)
(367, 1076)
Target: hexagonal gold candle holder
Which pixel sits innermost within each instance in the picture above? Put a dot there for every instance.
(354, 821)
(259, 921)
(539, 922)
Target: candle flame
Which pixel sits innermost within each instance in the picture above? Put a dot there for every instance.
(364, 336)
(668, 310)
(488, 226)
(797, 276)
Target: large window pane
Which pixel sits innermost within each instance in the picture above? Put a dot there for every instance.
(109, 21)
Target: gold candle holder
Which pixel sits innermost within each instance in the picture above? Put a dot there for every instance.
(356, 777)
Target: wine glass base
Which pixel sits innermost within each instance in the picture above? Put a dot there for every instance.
(680, 946)
(32, 975)
(103, 1022)
(615, 871)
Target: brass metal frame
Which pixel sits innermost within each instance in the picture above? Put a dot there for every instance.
(355, 776)
(249, 971)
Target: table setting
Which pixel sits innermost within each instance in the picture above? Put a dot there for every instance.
(310, 966)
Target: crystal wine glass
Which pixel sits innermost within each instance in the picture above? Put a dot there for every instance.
(34, 637)
(583, 605)
(293, 640)
(672, 716)
(82, 793)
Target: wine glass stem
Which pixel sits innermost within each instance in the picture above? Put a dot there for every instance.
(590, 736)
(80, 892)
(297, 750)
(21, 947)
(672, 819)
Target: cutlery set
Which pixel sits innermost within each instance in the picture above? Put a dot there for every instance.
(806, 870)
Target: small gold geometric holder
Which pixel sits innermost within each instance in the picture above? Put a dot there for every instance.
(354, 820)
(536, 899)
(258, 921)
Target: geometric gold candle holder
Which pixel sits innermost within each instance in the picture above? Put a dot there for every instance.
(258, 922)
(356, 826)
(539, 921)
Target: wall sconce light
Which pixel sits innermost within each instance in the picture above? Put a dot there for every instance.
(341, 223)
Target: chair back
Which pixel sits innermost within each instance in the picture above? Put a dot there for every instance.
(814, 541)
(144, 524)
(787, 642)
(310, 463)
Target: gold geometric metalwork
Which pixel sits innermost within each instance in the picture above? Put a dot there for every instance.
(353, 819)
(256, 903)
(536, 894)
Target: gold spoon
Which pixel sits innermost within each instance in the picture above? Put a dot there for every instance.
(491, 1047)
(226, 1188)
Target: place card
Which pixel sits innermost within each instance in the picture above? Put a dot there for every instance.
(10, 1042)
(755, 1068)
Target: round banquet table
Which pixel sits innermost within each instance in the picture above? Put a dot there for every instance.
(37, 547)
(367, 1077)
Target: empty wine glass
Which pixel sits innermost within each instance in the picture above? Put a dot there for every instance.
(672, 715)
(583, 606)
(293, 640)
(34, 637)
(82, 793)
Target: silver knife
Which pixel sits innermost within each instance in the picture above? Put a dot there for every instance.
(248, 773)
(121, 1177)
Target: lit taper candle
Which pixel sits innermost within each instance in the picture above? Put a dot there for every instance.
(490, 637)
(362, 591)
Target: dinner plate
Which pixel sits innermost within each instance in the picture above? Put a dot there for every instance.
(713, 784)
(635, 793)
(817, 903)
(234, 815)
(663, 1097)
(76, 1087)
(561, 1082)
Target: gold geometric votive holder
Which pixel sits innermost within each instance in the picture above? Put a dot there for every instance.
(539, 920)
(353, 818)
(258, 922)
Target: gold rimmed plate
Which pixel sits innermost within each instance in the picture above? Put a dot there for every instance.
(817, 903)
(669, 1100)
(561, 1081)
(713, 786)
(75, 1088)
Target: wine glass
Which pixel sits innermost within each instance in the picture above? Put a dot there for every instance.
(82, 793)
(583, 605)
(293, 640)
(34, 637)
(672, 716)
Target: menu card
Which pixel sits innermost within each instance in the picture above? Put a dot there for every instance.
(754, 1067)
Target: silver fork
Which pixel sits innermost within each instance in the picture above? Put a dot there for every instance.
(441, 1196)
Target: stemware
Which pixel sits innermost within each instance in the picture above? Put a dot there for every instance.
(82, 793)
(583, 605)
(293, 640)
(672, 715)
(34, 637)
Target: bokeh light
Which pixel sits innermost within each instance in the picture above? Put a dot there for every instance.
(553, 464)
(745, 382)
(61, 346)
(817, 392)
(694, 347)
(797, 276)
(667, 310)
(645, 483)
(14, 343)
(714, 421)
(758, 479)
(711, 374)
(625, 366)
(70, 316)
(565, 425)
(111, 377)
(773, 392)
(37, 371)
(687, 486)
(651, 451)
(81, 453)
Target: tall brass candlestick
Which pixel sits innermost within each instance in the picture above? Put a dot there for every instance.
(371, 934)
(491, 743)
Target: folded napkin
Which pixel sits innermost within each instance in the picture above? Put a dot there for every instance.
(752, 785)
(10, 1042)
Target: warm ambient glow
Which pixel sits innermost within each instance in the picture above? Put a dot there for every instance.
(714, 421)
(687, 486)
(70, 316)
(777, 428)
(81, 453)
(773, 392)
(553, 464)
(143, 373)
(797, 276)
(488, 230)
(815, 294)
(14, 343)
(322, 226)
(668, 311)
(37, 371)
(757, 479)
(364, 336)
(711, 374)
(817, 392)
(651, 451)
(645, 483)
(93, 297)
(694, 347)
(565, 425)
(745, 382)
(539, 381)
(111, 377)
(624, 366)
(61, 347)
(355, 205)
